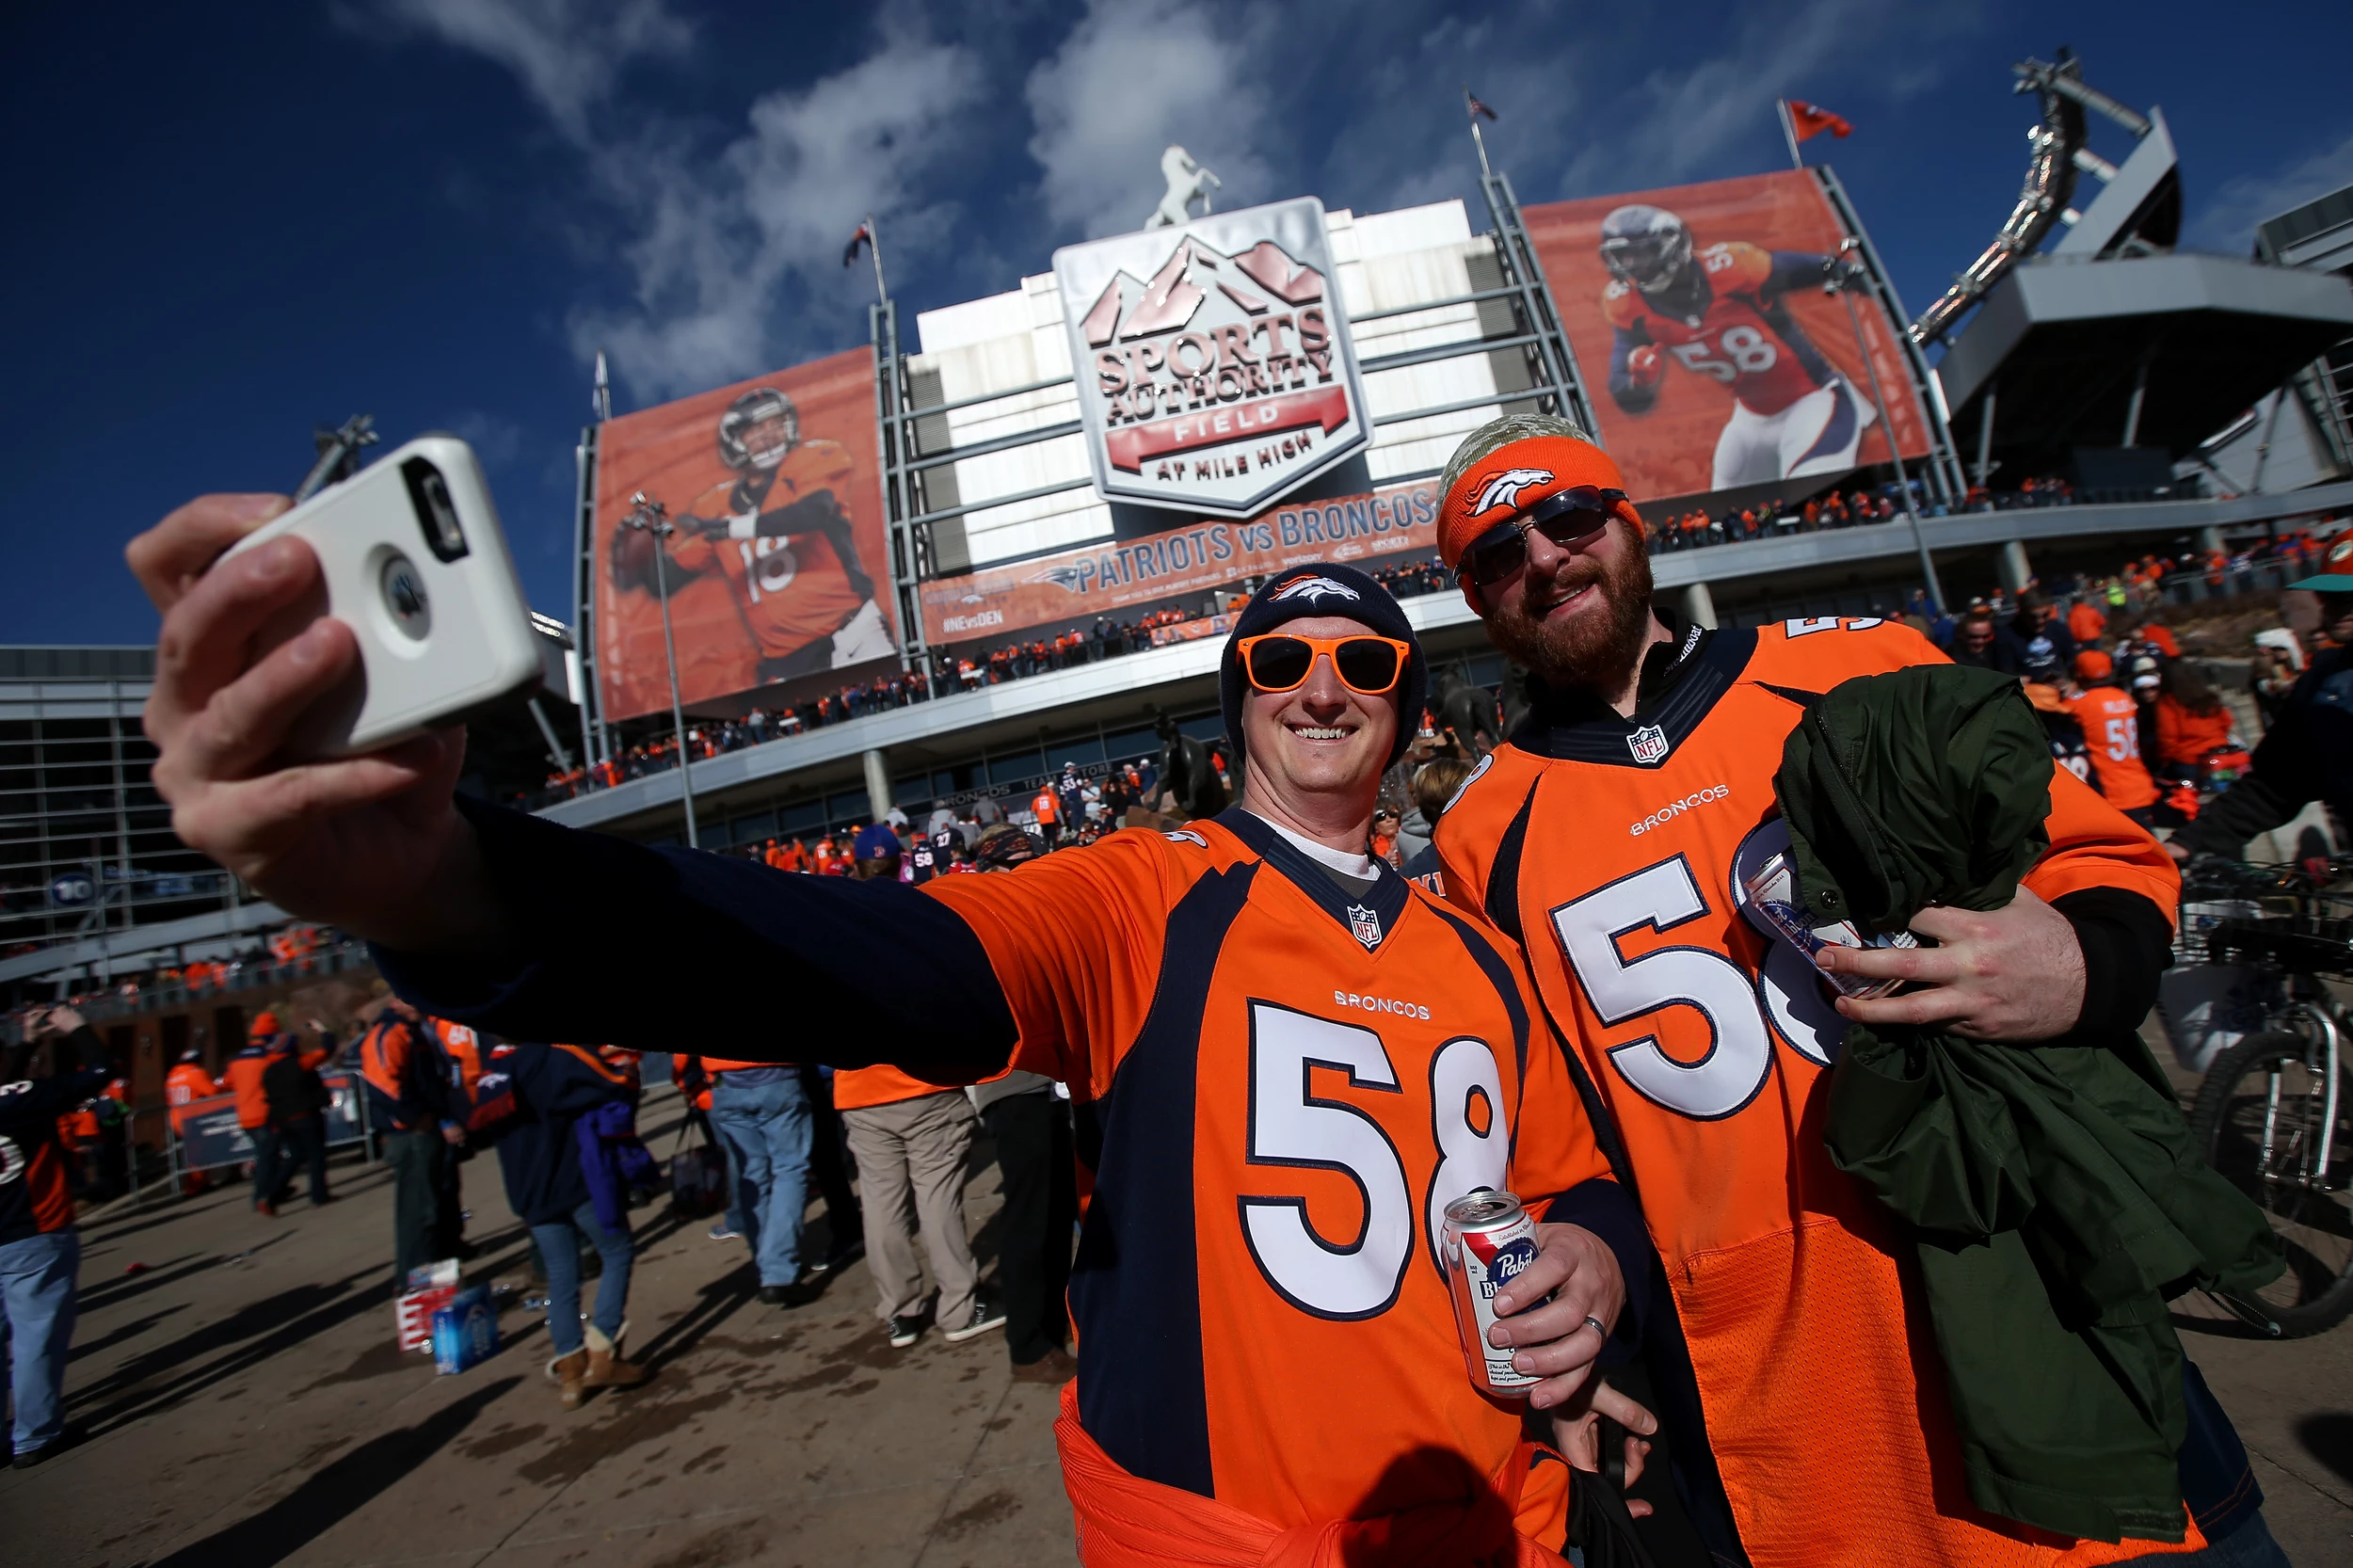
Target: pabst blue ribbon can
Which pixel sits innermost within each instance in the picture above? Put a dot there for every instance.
(1489, 1240)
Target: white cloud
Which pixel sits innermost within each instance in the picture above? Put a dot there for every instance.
(1128, 82)
(2226, 221)
(567, 53)
(715, 241)
(718, 244)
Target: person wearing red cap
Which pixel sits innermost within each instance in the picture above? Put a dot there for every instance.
(2110, 721)
(2307, 754)
(1610, 838)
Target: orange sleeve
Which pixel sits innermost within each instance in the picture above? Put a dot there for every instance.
(2095, 845)
(1747, 268)
(692, 551)
(1075, 939)
(1620, 305)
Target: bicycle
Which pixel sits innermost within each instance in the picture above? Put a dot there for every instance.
(2274, 1113)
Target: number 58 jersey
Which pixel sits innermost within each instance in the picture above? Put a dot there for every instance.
(1290, 1084)
(1614, 851)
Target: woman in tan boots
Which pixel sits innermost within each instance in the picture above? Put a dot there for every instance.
(556, 1113)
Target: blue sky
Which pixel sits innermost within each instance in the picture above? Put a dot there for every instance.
(230, 223)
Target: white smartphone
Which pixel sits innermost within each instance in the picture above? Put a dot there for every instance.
(413, 561)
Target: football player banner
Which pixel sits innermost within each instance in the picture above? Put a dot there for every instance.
(1714, 360)
(778, 561)
(210, 1136)
(1072, 586)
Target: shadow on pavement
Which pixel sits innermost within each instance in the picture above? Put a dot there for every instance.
(261, 1330)
(128, 1331)
(715, 1303)
(2329, 1438)
(334, 1493)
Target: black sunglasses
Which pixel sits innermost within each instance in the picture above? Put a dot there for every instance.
(1571, 520)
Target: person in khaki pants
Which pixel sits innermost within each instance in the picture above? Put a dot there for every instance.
(911, 1140)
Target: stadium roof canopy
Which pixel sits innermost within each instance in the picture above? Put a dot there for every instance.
(2062, 345)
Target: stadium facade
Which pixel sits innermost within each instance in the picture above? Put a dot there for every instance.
(984, 475)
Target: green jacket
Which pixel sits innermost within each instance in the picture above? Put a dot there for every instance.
(2054, 1195)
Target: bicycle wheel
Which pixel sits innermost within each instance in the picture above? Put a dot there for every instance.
(2258, 1120)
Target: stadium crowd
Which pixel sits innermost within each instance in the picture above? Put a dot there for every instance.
(951, 671)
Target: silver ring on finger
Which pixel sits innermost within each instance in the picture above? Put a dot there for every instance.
(1594, 1324)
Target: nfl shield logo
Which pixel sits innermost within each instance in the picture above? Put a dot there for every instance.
(1649, 745)
(1366, 924)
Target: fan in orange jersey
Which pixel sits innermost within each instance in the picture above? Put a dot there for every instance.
(1610, 838)
(778, 533)
(2110, 721)
(1289, 1061)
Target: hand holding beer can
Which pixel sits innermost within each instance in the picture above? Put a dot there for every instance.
(1489, 1240)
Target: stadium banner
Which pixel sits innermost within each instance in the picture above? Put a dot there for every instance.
(210, 1136)
(1073, 587)
(779, 558)
(1215, 368)
(1711, 355)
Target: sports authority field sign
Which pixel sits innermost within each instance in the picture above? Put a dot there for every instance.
(1215, 366)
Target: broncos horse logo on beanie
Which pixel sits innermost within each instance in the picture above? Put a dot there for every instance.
(1313, 588)
(1504, 488)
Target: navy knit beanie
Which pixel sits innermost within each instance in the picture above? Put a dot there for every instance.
(1304, 593)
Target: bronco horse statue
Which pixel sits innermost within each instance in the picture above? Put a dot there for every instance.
(1186, 180)
(1189, 773)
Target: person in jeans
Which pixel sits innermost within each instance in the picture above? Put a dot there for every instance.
(418, 1123)
(554, 1111)
(911, 1140)
(40, 1251)
(297, 1100)
(762, 1111)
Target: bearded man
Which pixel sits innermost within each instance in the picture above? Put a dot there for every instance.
(1792, 1361)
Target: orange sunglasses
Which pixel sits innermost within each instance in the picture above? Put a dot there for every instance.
(1281, 662)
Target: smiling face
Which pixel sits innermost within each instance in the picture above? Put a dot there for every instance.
(1321, 744)
(1577, 618)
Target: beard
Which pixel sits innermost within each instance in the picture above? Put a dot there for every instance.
(1592, 652)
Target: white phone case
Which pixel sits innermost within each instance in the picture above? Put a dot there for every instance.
(443, 627)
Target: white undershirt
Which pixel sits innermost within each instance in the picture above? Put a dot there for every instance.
(1361, 867)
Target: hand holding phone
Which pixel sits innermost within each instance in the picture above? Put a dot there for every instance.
(412, 559)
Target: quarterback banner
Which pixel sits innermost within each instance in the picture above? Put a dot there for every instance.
(1073, 587)
(779, 563)
(1714, 358)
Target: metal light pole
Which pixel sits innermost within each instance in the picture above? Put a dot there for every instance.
(652, 517)
(1845, 274)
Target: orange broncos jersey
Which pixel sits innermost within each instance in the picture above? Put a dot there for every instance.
(1615, 851)
(2110, 721)
(463, 1047)
(1289, 1086)
(790, 590)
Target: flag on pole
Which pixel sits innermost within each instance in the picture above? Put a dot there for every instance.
(1477, 108)
(1809, 120)
(865, 236)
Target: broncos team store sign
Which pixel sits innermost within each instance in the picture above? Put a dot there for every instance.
(1213, 363)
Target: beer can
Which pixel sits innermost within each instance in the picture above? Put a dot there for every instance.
(1773, 893)
(1489, 1240)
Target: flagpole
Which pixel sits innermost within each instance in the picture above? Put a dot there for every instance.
(1484, 172)
(873, 243)
(1789, 132)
